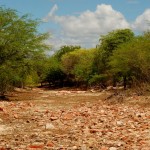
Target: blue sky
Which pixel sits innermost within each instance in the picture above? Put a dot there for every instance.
(81, 22)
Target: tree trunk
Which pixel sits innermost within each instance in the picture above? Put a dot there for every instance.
(125, 82)
(114, 82)
(22, 85)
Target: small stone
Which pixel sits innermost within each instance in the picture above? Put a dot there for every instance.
(3, 128)
(112, 148)
(53, 118)
(138, 115)
(119, 123)
(68, 116)
(104, 148)
(15, 116)
(36, 146)
(49, 126)
(50, 144)
(102, 111)
(74, 147)
(120, 144)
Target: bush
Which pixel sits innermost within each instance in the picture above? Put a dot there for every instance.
(99, 80)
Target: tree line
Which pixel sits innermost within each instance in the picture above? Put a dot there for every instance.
(120, 58)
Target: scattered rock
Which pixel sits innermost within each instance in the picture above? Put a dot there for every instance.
(50, 144)
(37, 145)
(112, 148)
(53, 118)
(2, 128)
(74, 147)
(86, 125)
(49, 126)
(119, 123)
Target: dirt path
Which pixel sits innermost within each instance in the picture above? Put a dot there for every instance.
(71, 120)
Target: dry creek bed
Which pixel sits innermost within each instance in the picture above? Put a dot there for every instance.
(72, 120)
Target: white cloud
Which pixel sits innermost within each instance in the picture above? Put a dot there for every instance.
(51, 13)
(104, 19)
(142, 22)
(85, 29)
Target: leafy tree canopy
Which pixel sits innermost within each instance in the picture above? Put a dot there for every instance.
(114, 39)
(20, 43)
(109, 43)
(65, 49)
(133, 59)
(19, 36)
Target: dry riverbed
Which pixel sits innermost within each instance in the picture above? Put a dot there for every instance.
(74, 120)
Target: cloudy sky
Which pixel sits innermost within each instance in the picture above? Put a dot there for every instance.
(81, 22)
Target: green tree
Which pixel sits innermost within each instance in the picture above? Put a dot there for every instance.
(78, 65)
(84, 68)
(20, 42)
(68, 63)
(114, 39)
(132, 60)
(40, 63)
(65, 49)
(54, 74)
(108, 44)
(6, 78)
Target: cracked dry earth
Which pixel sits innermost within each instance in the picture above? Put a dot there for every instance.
(71, 120)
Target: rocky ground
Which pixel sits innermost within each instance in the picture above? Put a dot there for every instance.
(73, 120)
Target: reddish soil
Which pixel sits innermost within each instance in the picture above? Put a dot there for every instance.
(41, 119)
